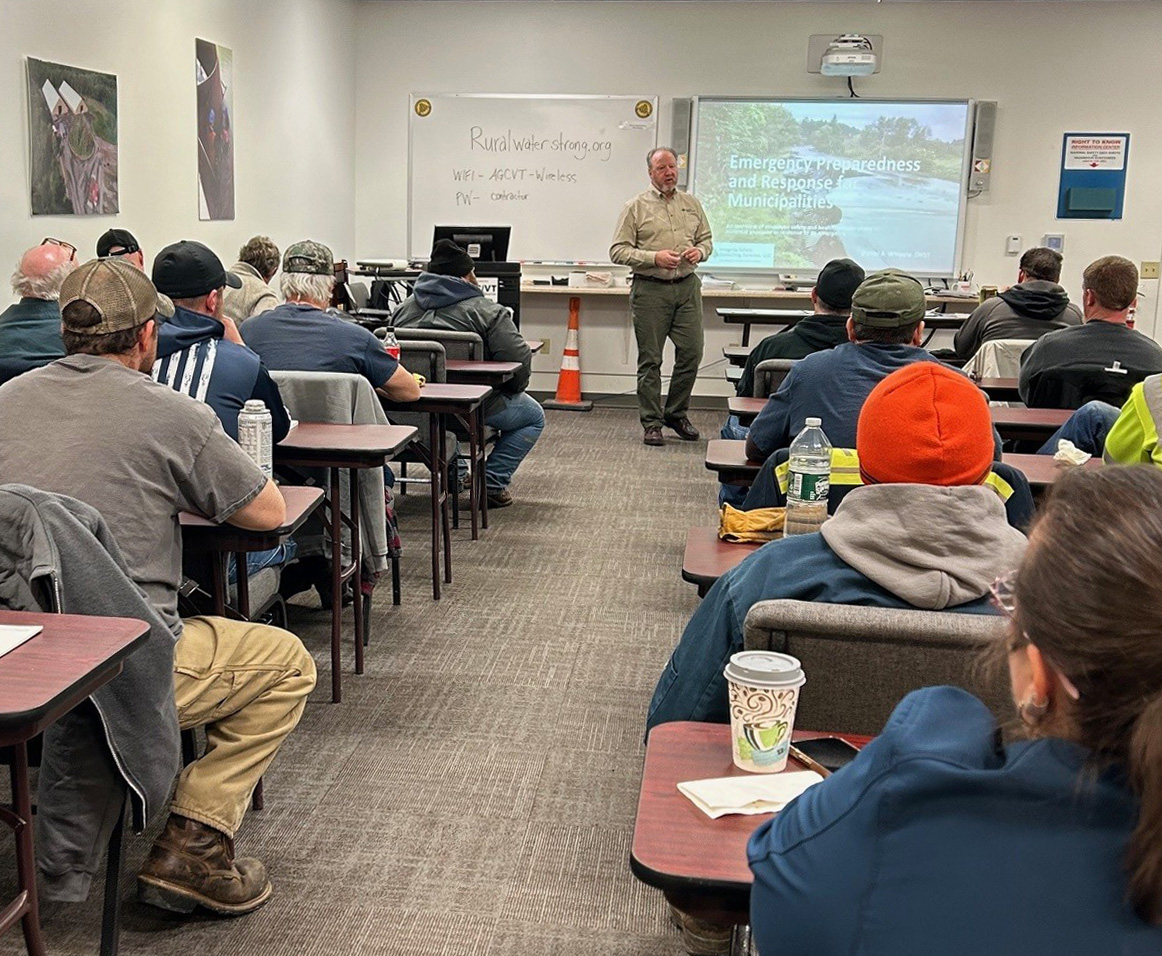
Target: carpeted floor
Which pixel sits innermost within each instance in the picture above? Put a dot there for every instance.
(475, 791)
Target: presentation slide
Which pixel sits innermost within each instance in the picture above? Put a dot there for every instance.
(791, 184)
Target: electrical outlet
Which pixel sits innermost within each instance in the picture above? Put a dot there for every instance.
(547, 348)
(1149, 270)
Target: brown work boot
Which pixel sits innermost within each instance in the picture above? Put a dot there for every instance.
(192, 865)
(653, 436)
(700, 937)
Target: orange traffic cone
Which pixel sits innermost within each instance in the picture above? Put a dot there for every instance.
(569, 378)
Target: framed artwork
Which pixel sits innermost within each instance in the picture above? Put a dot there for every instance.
(72, 140)
(214, 72)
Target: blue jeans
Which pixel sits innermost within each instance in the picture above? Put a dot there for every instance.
(732, 494)
(1086, 428)
(257, 560)
(520, 423)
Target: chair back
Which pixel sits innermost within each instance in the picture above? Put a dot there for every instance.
(457, 345)
(425, 356)
(1072, 387)
(358, 294)
(1000, 358)
(769, 375)
(860, 661)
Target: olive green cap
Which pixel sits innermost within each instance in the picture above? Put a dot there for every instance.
(310, 257)
(888, 299)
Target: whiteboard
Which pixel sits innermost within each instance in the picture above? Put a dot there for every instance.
(556, 168)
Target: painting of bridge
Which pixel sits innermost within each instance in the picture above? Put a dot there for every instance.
(72, 140)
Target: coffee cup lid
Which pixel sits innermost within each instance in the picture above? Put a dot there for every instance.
(765, 669)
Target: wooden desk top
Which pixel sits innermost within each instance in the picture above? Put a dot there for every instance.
(676, 847)
(323, 437)
(203, 534)
(535, 345)
(727, 454)
(468, 372)
(708, 558)
(51, 673)
(787, 295)
(1000, 389)
(746, 408)
(1042, 471)
(1020, 422)
(440, 397)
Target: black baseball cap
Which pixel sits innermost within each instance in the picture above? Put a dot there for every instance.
(120, 239)
(837, 281)
(187, 269)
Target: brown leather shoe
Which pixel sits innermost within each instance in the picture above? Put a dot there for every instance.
(682, 426)
(192, 865)
(653, 436)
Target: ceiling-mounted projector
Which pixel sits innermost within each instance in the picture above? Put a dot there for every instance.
(851, 54)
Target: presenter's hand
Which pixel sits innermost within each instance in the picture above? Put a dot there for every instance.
(666, 259)
(693, 255)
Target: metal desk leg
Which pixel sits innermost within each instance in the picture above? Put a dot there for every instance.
(436, 464)
(476, 487)
(25, 855)
(220, 582)
(442, 471)
(476, 424)
(336, 590)
(357, 570)
(242, 582)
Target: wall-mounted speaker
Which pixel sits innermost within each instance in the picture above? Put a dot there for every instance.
(680, 136)
(983, 127)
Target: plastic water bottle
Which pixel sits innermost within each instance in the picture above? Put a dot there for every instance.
(809, 473)
(256, 433)
(391, 345)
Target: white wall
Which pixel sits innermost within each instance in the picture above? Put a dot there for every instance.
(294, 113)
(1051, 67)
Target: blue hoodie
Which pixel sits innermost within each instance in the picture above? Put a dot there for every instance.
(193, 358)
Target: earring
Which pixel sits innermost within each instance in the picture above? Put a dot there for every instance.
(1033, 711)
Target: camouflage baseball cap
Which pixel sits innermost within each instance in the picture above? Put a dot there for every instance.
(120, 293)
(889, 299)
(310, 257)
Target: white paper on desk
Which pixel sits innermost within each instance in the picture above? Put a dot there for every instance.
(13, 635)
(759, 793)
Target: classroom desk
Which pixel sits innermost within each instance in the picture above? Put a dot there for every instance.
(1000, 389)
(535, 345)
(736, 354)
(1031, 423)
(469, 372)
(699, 864)
(201, 535)
(746, 408)
(734, 374)
(955, 312)
(1042, 471)
(728, 457)
(41, 681)
(438, 400)
(334, 447)
(707, 557)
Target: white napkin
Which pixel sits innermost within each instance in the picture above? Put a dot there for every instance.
(13, 635)
(1069, 453)
(757, 793)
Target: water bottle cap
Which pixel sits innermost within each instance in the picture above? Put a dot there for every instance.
(254, 406)
(813, 422)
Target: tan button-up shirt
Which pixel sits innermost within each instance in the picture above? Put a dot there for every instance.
(649, 223)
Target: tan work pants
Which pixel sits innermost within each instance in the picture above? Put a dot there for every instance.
(247, 684)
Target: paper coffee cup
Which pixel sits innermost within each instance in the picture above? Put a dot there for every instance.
(764, 692)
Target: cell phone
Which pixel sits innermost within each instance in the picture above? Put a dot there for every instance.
(830, 752)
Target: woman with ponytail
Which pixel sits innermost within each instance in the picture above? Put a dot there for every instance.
(942, 840)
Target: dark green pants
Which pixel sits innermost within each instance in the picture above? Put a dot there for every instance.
(666, 310)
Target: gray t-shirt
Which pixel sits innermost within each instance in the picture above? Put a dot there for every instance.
(138, 452)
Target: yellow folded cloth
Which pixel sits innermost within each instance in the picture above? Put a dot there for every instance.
(761, 524)
(760, 793)
(420, 380)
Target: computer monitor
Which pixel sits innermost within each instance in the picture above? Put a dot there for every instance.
(482, 243)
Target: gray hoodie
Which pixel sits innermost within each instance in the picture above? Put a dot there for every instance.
(934, 547)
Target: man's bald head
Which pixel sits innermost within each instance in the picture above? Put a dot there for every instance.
(41, 271)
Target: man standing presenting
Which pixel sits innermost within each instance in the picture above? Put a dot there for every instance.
(662, 235)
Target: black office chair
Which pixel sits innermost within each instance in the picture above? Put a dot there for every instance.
(1072, 387)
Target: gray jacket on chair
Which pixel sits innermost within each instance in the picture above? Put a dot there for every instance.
(57, 555)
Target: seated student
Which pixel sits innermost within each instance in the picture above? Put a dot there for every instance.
(939, 838)
(121, 242)
(884, 332)
(922, 532)
(1034, 306)
(201, 354)
(1124, 437)
(826, 328)
(30, 330)
(298, 336)
(94, 426)
(257, 263)
(447, 296)
(1109, 296)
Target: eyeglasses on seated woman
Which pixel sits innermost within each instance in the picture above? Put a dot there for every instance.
(940, 838)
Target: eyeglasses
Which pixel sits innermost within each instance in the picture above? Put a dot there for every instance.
(49, 241)
(1004, 595)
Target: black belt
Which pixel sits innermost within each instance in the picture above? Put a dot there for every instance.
(637, 276)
